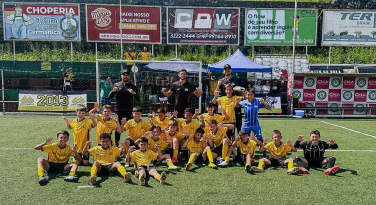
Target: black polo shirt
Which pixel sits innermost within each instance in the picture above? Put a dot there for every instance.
(124, 99)
(234, 82)
(182, 92)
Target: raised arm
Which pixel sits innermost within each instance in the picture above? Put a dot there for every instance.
(46, 142)
(95, 109)
(166, 93)
(92, 117)
(67, 121)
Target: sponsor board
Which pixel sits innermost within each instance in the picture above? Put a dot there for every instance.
(347, 96)
(310, 82)
(321, 111)
(322, 95)
(50, 100)
(334, 95)
(348, 82)
(298, 82)
(202, 26)
(322, 82)
(371, 96)
(358, 110)
(361, 83)
(371, 83)
(41, 22)
(348, 111)
(373, 111)
(299, 93)
(332, 110)
(360, 95)
(335, 83)
(309, 95)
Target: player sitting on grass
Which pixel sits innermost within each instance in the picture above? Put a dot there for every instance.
(173, 135)
(198, 150)
(104, 159)
(143, 159)
(155, 141)
(137, 128)
(245, 154)
(187, 126)
(211, 115)
(218, 141)
(313, 153)
(105, 124)
(81, 127)
(228, 102)
(277, 154)
(58, 157)
(161, 120)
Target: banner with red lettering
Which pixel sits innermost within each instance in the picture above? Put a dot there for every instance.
(41, 22)
(139, 24)
(203, 26)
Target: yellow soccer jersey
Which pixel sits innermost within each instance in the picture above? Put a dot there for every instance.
(145, 158)
(130, 57)
(178, 135)
(105, 126)
(196, 147)
(161, 123)
(145, 56)
(248, 148)
(212, 86)
(207, 118)
(159, 142)
(137, 130)
(105, 156)
(281, 151)
(81, 132)
(217, 137)
(55, 154)
(189, 127)
(229, 105)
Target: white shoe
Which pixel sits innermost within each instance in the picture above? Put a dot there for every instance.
(223, 164)
(126, 165)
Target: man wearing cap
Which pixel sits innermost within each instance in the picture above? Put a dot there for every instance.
(19, 21)
(125, 92)
(182, 90)
(234, 81)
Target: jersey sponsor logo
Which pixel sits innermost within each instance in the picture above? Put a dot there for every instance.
(347, 95)
(335, 82)
(372, 95)
(361, 82)
(310, 82)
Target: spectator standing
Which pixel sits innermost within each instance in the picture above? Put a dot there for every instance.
(106, 89)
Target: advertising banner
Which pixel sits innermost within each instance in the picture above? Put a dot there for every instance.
(310, 82)
(334, 111)
(139, 24)
(203, 26)
(360, 95)
(349, 28)
(322, 82)
(361, 82)
(41, 22)
(275, 27)
(321, 111)
(298, 82)
(50, 100)
(373, 111)
(334, 95)
(348, 111)
(335, 83)
(347, 96)
(274, 102)
(322, 95)
(309, 95)
(371, 96)
(348, 82)
(371, 83)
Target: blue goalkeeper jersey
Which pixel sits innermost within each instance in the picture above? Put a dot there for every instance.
(251, 112)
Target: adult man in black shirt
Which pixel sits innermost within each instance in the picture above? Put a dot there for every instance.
(124, 91)
(276, 87)
(234, 81)
(182, 89)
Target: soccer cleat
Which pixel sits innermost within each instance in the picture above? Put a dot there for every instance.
(303, 170)
(174, 168)
(332, 170)
(257, 169)
(223, 164)
(162, 180)
(127, 177)
(93, 179)
(212, 165)
(188, 166)
(71, 178)
(174, 160)
(43, 181)
(126, 165)
(142, 179)
(220, 161)
(238, 165)
(294, 170)
(247, 168)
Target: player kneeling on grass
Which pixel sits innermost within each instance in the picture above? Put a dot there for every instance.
(143, 160)
(198, 150)
(104, 159)
(155, 141)
(313, 153)
(58, 157)
(277, 154)
(245, 154)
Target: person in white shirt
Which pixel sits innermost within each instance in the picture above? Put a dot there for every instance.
(258, 87)
(266, 88)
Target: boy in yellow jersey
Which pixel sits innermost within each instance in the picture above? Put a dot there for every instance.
(219, 142)
(143, 160)
(277, 154)
(105, 124)
(164, 146)
(161, 120)
(145, 55)
(245, 154)
(137, 128)
(198, 149)
(58, 157)
(211, 115)
(104, 159)
(81, 127)
(228, 102)
(187, 126)
(173, 135)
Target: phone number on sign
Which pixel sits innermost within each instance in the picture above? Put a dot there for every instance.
(203, 36)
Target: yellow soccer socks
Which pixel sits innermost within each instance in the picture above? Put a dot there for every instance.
(93, 170)
(191, 159)
(40, 172)
(175, 153)
(72, 173)
(290, 165)
(224, 152)
(122, 170)
(261, 164)
(210, 156)
(169, 163)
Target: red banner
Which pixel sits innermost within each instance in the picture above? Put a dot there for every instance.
(322, 82)
(139, 24)
(372, 83)
(348, 82)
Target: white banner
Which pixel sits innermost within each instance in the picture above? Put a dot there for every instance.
(50, 100)
(349, 28)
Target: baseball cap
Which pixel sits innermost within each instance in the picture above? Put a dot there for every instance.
(17, 5)
(125, 72)
(226, 66)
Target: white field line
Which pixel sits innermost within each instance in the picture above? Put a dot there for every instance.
(349, 129)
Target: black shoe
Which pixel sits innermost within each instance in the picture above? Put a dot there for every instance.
(247, 168)
(43, 181)
(71, 178)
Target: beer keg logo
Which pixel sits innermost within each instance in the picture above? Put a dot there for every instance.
(310, 82)
(321, 95)
(361, 82)
(347, 95)
(335, 82)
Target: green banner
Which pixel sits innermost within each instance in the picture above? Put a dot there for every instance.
(275, 27)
